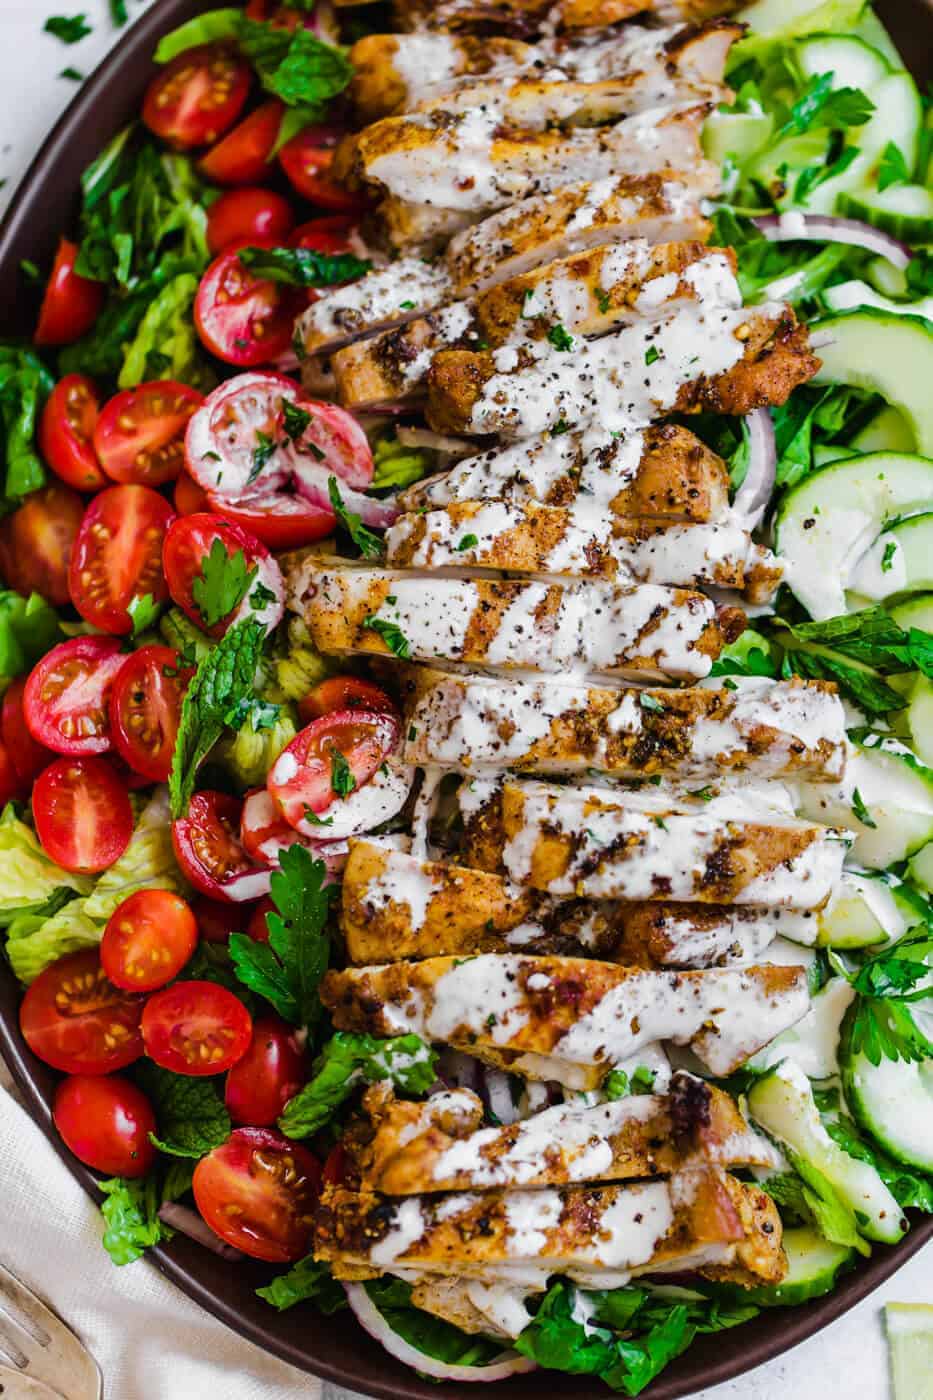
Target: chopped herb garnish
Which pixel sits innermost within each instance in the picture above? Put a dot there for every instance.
(73, 73)
(861, 812)
(887, 559)
(648, 702)
(368, 543)
(265, 446)
(295, 420)
(603, 300)
(391, 634)
(341, 775)
(705, 794)
(303, 267)
(652, 354)
(313, 819)
(560, 427)
(467, 542)
(70, 29)
(560, 337)
(406, 306)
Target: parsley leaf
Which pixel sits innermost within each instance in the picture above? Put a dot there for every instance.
(650, 702)
(69, 29)
(893, 169)
(190, 1113)
(368, 543)
(288, 969)
(296, 67)
(391, 634)
(652, 354)
(144, 612)
(822, 105)
(304, 267)
(307, 1281)
(560, 337)
(341, 775)
(263, 450)
(466, 542)
(222, 584)
(347, 1060)
(73, 74)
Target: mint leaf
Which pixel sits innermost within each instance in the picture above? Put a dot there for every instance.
(190, 1114)
(303, 267)
(347, 1060)
(296, 67)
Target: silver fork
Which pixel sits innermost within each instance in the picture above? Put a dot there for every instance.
(36, 1346)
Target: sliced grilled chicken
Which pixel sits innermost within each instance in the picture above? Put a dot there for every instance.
(661, 475)
(528, 17)
(582, 542)
(387, 296)
(393, 72)
(769, 728)
(415, 226)
(706, 356)
(467, 164)
(569, 1019)
(440, 1145)
(397, 906)
(645, 631)
(600, 843)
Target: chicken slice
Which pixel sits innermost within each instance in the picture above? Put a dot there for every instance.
(392, 72)
(386, 297)
(569, 1019)
(603, 843)
(528, 17)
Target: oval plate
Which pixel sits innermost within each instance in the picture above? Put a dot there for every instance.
(334, 1347)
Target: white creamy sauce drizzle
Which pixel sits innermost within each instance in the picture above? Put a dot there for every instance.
(384, 296)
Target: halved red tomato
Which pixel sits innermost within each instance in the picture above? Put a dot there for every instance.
(241, 318)
(343, 693)
(66, 430)
(189, 497)
(234, 444)
(306, 160)
(271, 1072)
(243, 157)
(264, 832)
(140, 434)
(36, 542)
(329, 759)
(27, 756)
(258, 926)
(71, 303)
(330, 234)
(335, 1166)
(117, 557)
(258, 1192)
(197, 96)
(148, 940)
(280, 521)
(207, 845)
(190, 542)
(11, 784)
(195, 1028)
(145, 709)
(279, 16)
(248, 216)
(82, 814)
(66, 699)
(106, 1121)
(77, 1021)
(217, 921)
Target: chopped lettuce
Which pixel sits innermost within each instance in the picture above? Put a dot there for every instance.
(252, 751)
(28, 878)
(148, 863)
(25, 384)
(302, 666)
(208, 28)
(131, 1217)
(166, 345)
(398, 466)
(347, 1060)
(35, 940)
(307, 1281)
(29, 627)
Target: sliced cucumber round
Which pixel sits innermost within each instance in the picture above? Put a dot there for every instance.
(812, 1043)
(863, 912)
(899, 561)
(891, 281)
(790, 17)
(887, 353)
(735, 134)
(813, 1266)
(915, 612)
(887, 431)
(906, 211)
(870, 28)
(825, 525)
(920, 868)
(896, 118)
(849, 296)
(852, 62)
(919, 716)
(893, 1100)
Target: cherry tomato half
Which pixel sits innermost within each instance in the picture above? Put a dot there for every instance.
(217, 921)
(258, 926)
(106, 1121)
(271, 1072)
(279, 520)
(11, 784)
(117, 557)
(71, 303)
(140, 434)
(195, 1028)
(335, 1166)
(264, 832)
(207, 845)
(306, 160)
(354, 742)
(258, 1191)
(279, 16)
(190, 543)
(77, 1021)
(243, 216)
(189, 497)
(241, 318)
(66, 429)
(330, 234)
(148, 940)
(343, 693)
(243, 156)
(36, 542)
(145, 709)
(82, 813)
(27, 756)
(66, 699)
(197, 96)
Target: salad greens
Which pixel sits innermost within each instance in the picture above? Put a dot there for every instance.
(25, 384)
(346, 1061)
(306, 1281)
(190, 1112)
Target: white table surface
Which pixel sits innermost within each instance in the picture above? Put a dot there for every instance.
(848, 1358)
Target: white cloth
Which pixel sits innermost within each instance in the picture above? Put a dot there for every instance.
(150, 1341)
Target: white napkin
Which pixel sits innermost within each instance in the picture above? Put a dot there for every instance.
(150, 1341)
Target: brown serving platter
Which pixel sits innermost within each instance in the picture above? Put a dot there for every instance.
(335, 1347)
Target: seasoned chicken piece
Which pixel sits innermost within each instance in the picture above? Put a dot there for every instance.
(645, 631)
(569, 1019)
(414, 226)
(761, 726)
(698, 935)
(527, 17)
(386, 297)
(583, 542)
(660, 475)
(392, 72)
(423, 1147)
(604, 843)
(465, 162)
(700, 356)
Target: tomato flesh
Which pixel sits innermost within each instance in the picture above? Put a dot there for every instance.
(66, 431)
(258, 926)
(189, 497)
(37, 541)
(27, 756)
(307, 159)
(197, 96)
(66, 699)
(243, 156)
(195, 1028)
(246, 215)
(190, 542)
(241, 318)
(356, 742)
(106, 1121)
(117, 557)
(82, 813)
(11, 785)
(140, 434)
(145, 710)
(343, 693)
(330, 234)
(148, 940)
(279, 520)
(271, 1072)
(258, 1191)
(208, 849)
(77, 1021)
(217, 921)
(71, 303)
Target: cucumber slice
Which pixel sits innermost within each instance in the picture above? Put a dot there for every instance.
(893, 1100)
(852, 62)
(870, 28)
(813, 1042)
(736, 134)
(899, 561)
(887, 431)
(920, 869)
(848, 296)
(777, 167)
(916, 612)
(910, 1343)
(826, 452)
(906, 211)
(792, 17)
(919, 717)
(895, 788)
(887, 353)
(891, 281)
(782, 1103)
(813, 1265)
(864, 911)
(826, 524)
(897, 117)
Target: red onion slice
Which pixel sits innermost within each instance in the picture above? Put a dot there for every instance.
(829, 228)
(752, 497)
(311, 480)
(510, 1363)
(187, 1222)
(458, 1070)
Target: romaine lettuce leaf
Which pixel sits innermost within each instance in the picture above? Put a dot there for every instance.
(28, 878)
(34, 941)
(148, 863)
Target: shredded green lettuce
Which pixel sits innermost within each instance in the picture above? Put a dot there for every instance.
(148, 863)
(28, 878)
